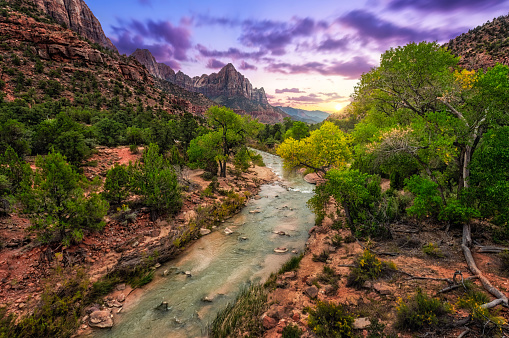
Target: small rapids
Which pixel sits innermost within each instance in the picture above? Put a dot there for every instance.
(221, 264)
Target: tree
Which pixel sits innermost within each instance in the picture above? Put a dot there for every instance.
(156, 182)
(203, 151)
(61, 209)
(298, 131)
(324, 149)
(117, 186)
(447, 111)
(230, 134)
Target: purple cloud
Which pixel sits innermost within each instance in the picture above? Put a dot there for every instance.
(276, 36)
(289, 90)
(166, 41)
(370, 26)
(233, 53)
(349, 69)
(246, 66)
(215, 64)
(332, 44)
(444, 6)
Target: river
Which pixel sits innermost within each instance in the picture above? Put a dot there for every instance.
(221, 264)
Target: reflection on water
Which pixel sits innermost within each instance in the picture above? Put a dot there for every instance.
(221, 264)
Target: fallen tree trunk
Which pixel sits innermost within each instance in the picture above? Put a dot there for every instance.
(465, 245)
(492, 249)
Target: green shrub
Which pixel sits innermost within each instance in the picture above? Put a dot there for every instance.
(427, 202)
(432, 250)
(420, 311)
(291, 331)
(329, 277)
(368, 267)
(322, 257)
(330, 320)
(473, 300)
(337, 241)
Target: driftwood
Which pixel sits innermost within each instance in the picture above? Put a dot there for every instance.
(465, 245)
(492, 249)
(455, 286)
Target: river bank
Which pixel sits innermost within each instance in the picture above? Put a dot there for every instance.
(27, 269)
(210, 272)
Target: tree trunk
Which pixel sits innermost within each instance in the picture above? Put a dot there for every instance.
(222, 165)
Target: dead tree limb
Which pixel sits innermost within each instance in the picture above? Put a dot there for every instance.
(465, 245)
(492, 249)
(464, 333)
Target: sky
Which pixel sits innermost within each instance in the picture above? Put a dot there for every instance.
(305, 54)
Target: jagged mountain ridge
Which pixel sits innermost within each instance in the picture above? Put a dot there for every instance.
(228, 87)
(76, 15)
(69, 62)
(308, 116)
(483, 46)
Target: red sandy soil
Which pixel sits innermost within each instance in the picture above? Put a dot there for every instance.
(379, 299)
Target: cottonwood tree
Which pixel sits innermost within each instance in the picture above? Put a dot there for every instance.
(229, 134)
(325, 148)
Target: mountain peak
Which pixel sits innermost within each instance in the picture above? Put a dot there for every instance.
(76, 16)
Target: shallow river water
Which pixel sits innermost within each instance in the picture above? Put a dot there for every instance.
(221, 264)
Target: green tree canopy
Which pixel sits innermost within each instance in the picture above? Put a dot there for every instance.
(325, 148)
(60, 207)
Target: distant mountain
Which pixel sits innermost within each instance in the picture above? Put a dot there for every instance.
(308, 116)
(483, 46)
(228, 87)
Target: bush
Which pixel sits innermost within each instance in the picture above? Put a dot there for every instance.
(291, 331)
(420, 311)
(291, 265)
(322, 257)
(472, 301)
(427, 202)
(330, 320)
(337, 241)
(368, 267)
(329, 277)
(432, 250)
(117, 186)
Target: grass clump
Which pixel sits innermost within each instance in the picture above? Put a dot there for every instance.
(433, 250)
(322, 257)
(291, 265)
(329, 277)
(368, 267)
(241, 316)
(291, 331)
(420, 311)
(330, 320)
(337, 241)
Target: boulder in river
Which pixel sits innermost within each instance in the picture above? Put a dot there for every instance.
(204, 231)
(228, 231)
(163, 306)
(101, 319)
(280, 250)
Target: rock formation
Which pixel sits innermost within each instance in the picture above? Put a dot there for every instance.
(76, 15)
(228, 87)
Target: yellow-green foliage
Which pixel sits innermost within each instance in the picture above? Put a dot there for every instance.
(432, 250)
(420, 311)
(368, 267)
(330, 320)
(473, 301)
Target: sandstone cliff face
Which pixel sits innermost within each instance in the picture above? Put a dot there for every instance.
(159, 70)
(228, 87)
(76, 15)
